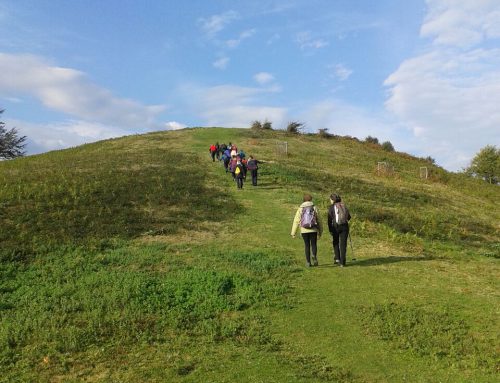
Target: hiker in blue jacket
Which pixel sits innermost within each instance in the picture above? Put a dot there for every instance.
(222, 149)
(338, 224)
(225, 161)
(307, 217)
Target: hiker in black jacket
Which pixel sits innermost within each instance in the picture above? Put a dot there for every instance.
(338, 224)
(217, 150)
(239, 173)
(253, 166)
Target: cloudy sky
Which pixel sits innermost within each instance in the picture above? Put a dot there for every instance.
(423, 74)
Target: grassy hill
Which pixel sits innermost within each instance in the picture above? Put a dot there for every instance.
(137, 259)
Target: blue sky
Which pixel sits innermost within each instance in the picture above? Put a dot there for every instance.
(423, 74)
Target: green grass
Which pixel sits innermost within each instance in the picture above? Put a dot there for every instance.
(440, 335)
(137, 259)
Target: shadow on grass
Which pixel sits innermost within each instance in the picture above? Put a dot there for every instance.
(268, 186)
(385, 260)
(374, 261)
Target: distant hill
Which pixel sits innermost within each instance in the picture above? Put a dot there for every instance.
(137, 259)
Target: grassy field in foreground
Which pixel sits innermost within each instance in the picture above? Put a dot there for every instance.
(137, 259)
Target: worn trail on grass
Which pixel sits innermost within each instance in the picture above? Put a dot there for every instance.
(328, 325)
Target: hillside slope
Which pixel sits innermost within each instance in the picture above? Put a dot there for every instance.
(137, 259)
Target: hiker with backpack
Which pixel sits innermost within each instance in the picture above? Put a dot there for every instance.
(338, 224)
(307, 217)
(217, 150)
(239, 173)
(225, 160)
(253, 166)
(222, 149)
(227, 152)
(234, 150)
(232, 166)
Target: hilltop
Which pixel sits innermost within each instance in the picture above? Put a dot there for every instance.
(137, 259)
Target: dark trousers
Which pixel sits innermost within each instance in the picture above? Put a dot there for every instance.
(340, 234)
(239, 182)
(212, 154)
(310, 243)
(254, 176)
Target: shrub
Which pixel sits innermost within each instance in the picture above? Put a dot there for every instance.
(387, 146)
(371, 140)
(295, 127)
(267, 125)
(323, 133)
(256, 125)
(430, 160)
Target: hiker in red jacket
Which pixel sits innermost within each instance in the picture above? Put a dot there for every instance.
(213, 151)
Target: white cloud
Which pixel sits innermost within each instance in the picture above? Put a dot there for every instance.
(348, 120)
(233, 106)
(216, 23)
(243, 36)
(69, 91)
(449, 96)
(461, 23)
(263, 78)
(306, 41)
(174, 125)
(340, 72)
(53, 136)
(221, 63)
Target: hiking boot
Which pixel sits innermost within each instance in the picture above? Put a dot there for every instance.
(314, 261)
(308, 264)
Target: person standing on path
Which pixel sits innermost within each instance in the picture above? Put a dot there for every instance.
(253, 166)
(239, 172)
(338, 225)
(308, 218)
(217, 150)
(212, 151)
(234, 151)
(232, 166)
(225, 160)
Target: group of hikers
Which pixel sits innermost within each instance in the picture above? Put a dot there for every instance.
(308, 219)
(235, 162)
